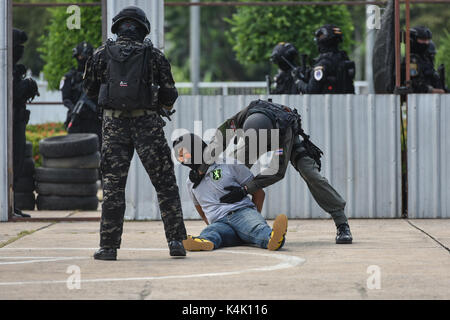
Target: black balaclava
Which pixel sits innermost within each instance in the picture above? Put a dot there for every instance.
(131, 29)
(195, 145)
(19, 38)
(328, 38)
(81, 53)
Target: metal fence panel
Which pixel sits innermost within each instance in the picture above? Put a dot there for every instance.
(428, 156)
(359, 135)
(4, 186)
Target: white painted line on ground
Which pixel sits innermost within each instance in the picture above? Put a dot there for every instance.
(37, 259)
(286, 262)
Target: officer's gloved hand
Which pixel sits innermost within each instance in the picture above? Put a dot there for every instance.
(236, 194)
(31, 89)
(195, 177)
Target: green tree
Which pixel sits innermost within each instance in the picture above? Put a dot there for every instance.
(57, 45)
(256, 30)
(32, 21)
(217, 59)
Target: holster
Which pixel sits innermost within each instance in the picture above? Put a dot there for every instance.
(312, 151)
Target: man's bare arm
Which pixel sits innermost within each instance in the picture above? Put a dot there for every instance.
(202, 214)
(258, 199)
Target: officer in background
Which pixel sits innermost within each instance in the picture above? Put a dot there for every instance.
(424, 77)
(285, 56)
(136, 84)
(332, 72)
(82, 112)
(24, 90)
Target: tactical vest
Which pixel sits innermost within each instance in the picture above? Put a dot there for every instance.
(129, 84)
(282, 117)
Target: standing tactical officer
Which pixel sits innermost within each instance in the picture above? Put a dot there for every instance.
(82, 112)
(261, 116)
(24, 90)
(333, 72)
(424, 78)
(132, 80)
(285, 56)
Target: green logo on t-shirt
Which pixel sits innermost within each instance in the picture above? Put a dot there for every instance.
(217, 174)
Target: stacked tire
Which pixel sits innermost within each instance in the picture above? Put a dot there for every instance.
(68, 177)
(24, 198)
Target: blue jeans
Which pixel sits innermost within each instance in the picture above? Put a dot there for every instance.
(244, 226)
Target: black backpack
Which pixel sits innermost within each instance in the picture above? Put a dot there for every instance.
(346, 71)
(282, 117)
(129, 83)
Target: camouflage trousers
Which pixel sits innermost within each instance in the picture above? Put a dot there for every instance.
(121, 136)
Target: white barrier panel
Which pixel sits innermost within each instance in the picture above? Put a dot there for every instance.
(429, 156)
(360, 137)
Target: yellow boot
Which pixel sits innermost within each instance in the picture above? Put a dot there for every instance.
(197, 244)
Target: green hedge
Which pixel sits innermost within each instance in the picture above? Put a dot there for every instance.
(443, 55)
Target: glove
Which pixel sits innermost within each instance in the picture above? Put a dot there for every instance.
(195, 177)
(297, 74)
(236, 194)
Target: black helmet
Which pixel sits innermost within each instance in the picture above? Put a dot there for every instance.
(258, 121)
(284, 50)
(328, 36)
(19, 38)
(134, 13)
(416, 33)
(83, 49)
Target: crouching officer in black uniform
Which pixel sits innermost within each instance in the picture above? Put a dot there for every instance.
(82, 114)
(132, 81)
(24, 90)
(424, 77)
(263, 116)
(333, 72)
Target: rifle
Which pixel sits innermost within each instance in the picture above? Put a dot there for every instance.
(163, 112)
(268, 84)
(82, 102)
(298, 72)
(441, 71)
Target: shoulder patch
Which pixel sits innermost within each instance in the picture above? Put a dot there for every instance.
(413, 70)
(318, 73)
(217, 174)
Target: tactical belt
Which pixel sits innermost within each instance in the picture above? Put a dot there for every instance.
(127, 114)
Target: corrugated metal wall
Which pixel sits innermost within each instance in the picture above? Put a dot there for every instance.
(429, 156)
(359, 135)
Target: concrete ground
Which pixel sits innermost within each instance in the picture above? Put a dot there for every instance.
(389, 259)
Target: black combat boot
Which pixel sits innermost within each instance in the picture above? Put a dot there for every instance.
(177, 249)
(343, 234)
(19, 214)
(106, 254)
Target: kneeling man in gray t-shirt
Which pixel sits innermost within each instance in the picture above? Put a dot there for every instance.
(229, 224)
